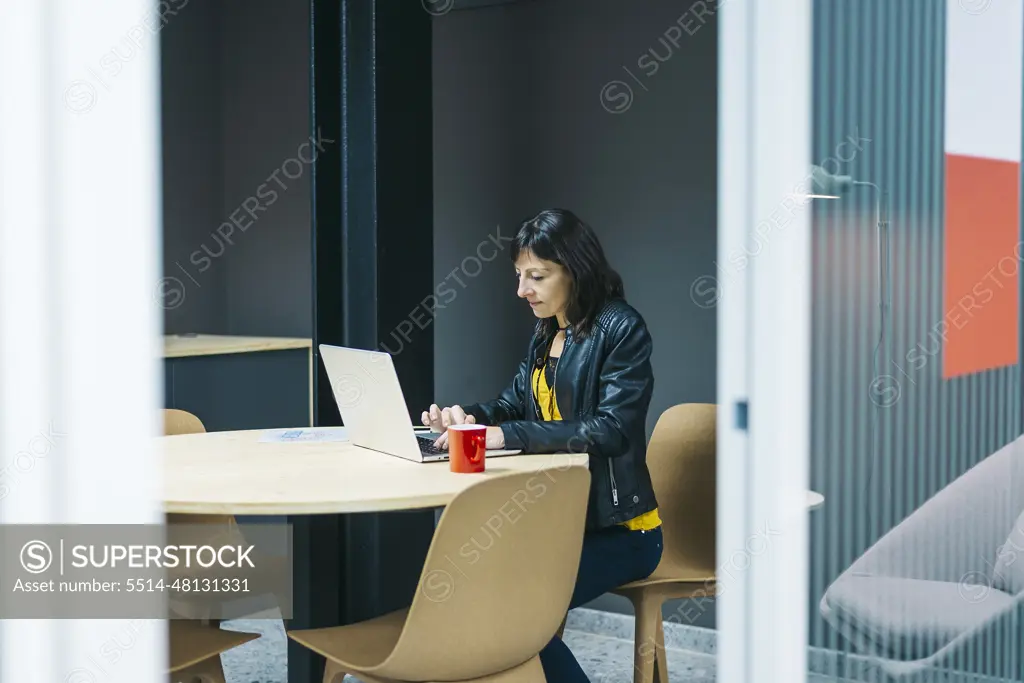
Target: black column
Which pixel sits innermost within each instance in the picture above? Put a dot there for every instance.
(372, 275)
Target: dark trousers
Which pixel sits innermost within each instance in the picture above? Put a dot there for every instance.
(610, 558)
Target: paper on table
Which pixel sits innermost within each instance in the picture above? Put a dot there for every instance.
(305, 435)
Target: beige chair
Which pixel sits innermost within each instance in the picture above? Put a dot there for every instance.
(195, 650)
(195, 647)
(497, 580)
(681, 459)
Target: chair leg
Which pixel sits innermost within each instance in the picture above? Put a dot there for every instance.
(646, 641)
(206, 671)
(333, 673)
(661, 662)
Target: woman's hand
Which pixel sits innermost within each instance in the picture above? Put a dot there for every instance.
(495, 439)
(439, 420)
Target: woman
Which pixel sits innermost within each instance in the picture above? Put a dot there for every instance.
(594, 349)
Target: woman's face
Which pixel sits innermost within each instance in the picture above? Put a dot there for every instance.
(544, 284)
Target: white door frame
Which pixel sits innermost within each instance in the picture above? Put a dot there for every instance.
(80, 316)
(763, 339)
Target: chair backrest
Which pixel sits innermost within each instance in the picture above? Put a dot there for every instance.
(181, 422)
(498, 577)
(958, 531)
(681, 458)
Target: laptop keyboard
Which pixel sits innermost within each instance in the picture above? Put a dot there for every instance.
(427, 446)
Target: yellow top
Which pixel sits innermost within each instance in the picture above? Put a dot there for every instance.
(545, 398)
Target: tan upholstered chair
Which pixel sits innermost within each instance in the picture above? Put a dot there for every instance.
(195, 647)
(681, 459)
(498, 578)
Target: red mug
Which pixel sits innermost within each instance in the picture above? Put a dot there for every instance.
(467, 448)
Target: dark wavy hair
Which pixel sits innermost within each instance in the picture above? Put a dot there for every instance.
(559, 235)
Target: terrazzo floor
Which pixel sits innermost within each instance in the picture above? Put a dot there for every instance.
(605, 659)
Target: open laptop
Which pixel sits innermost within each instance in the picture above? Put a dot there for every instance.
(372, 405)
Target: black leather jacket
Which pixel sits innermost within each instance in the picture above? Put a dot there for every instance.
(603, 386)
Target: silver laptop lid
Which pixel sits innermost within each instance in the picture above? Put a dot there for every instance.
(370, 400)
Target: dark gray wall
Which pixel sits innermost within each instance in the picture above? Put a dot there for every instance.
(235, 96)
(191, 84)
(265, 119)
(482, 125)
(521, 125)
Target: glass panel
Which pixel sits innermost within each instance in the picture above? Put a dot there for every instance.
(915, 385)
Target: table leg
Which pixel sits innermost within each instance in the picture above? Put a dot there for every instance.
(317, 580)
(349, 568)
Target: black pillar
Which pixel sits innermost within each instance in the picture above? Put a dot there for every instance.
(372, 281)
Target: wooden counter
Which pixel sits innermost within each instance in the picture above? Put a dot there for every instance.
(182, 345)
(237, 382)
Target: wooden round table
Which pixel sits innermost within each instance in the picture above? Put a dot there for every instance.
(234, 473)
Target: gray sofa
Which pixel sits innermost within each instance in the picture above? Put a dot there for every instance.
(945, 582)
